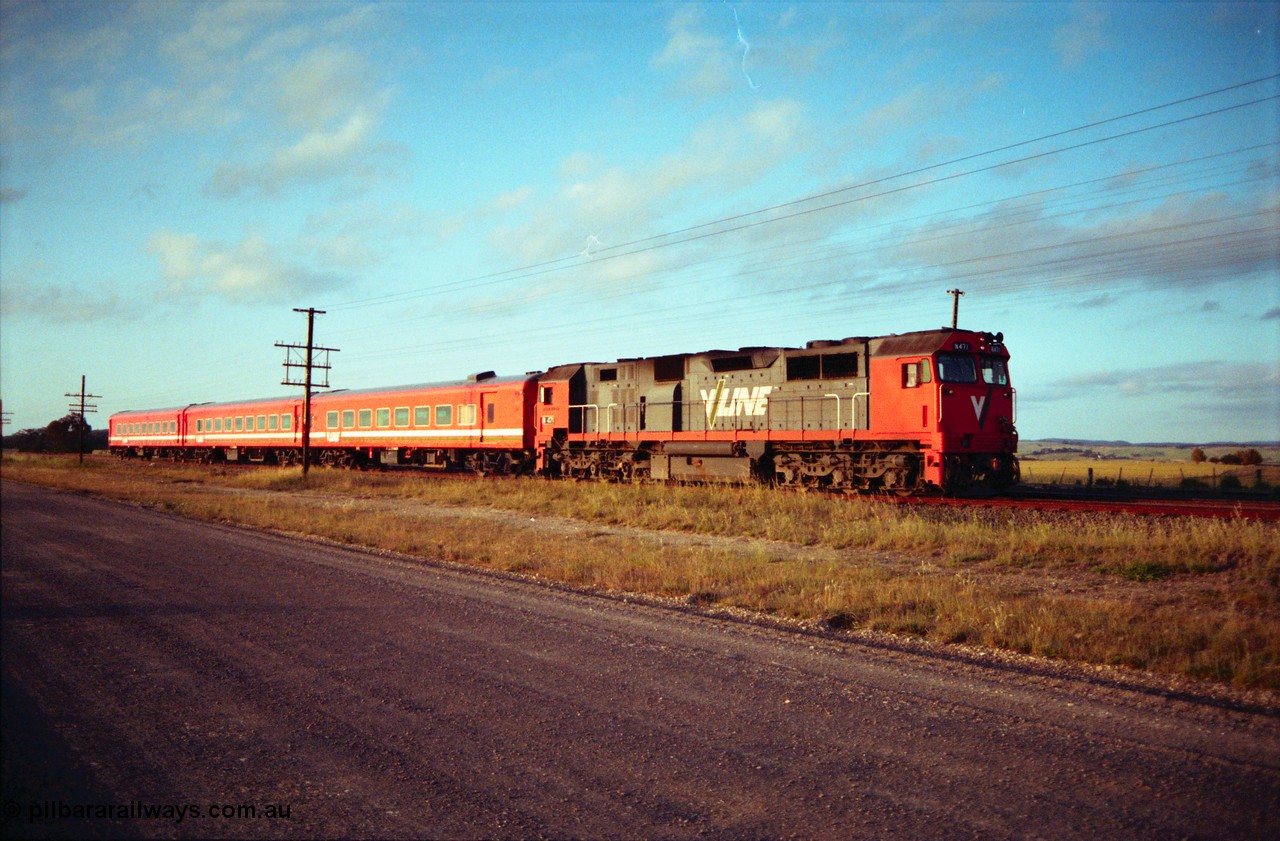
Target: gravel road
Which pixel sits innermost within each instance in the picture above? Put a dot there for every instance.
(156, 670)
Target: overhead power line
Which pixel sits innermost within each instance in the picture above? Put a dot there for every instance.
(691, 233)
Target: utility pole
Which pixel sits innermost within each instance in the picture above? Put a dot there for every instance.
(955, 306)
(79, 413)
(308, 363)
(6, 418)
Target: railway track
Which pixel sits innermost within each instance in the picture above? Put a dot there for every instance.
(1029, 498)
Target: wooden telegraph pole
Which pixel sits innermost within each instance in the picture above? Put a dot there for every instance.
(955, 306)
(80, 412)
(307, 364)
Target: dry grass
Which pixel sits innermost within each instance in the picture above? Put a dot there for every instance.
(1197, 597)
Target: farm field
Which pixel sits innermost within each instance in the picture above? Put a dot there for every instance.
(1193, 598)
(1067, 463)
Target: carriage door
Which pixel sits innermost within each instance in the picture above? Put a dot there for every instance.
(488, 414)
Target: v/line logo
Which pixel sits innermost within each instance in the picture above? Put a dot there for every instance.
(752, 402)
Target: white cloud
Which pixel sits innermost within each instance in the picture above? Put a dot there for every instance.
(718, 158)
(322, 88)
(1082, 36)
(250, 270)
(214, 31)
(327, 108)
(1177, 242)
(1185, 401)
(706, 65)
(319, 155)
(61, 303)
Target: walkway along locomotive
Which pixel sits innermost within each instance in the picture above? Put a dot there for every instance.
(903, 413)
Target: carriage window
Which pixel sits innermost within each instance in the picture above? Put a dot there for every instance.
(366, 418)
(546, 395)
(467, 414)
(199, 425)
(273, 423)
(331, 420)
(217, 424)
(994, 371)
(957, 368)
(422, 416)
(402, 416)
(910, 374)
(490, 412)
(608, 374)
(286, 422)
(239, 424)
(926, 374)
(262, 422)
(349, 419)
(444, 415)
(384, 417)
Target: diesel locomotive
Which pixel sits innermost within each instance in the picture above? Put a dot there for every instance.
(904, 413)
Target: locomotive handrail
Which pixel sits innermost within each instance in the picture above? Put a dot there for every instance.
(853, 407)
(836, 397)
(584, 415)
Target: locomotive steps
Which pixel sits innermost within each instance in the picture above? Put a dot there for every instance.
(1169, 595)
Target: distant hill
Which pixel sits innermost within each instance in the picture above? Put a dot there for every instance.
(1087, 442)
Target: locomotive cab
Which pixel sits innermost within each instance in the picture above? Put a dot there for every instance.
(944, 399)
(976, 431)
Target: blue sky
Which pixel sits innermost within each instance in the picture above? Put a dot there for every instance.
(475, 186)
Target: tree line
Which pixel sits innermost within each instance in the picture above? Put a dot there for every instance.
(60, 436)
(1250, 456)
